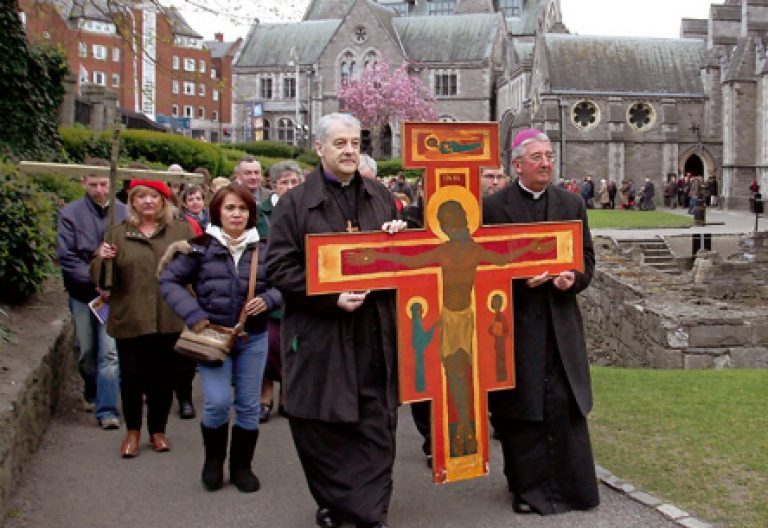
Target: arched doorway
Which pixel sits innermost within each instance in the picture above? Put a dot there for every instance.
(694, 165)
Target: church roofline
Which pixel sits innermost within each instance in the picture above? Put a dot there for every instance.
(626, 94)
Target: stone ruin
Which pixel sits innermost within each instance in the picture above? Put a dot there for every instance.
(714, 316)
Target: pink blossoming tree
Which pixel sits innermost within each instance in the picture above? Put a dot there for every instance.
(382, 95)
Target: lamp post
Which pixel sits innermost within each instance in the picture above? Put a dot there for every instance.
(297, 98)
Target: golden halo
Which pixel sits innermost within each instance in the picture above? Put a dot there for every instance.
(494, 293)
(413, 300)
(431, 142)
(459, 194)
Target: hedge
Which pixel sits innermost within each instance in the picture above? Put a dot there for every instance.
(27, 236)
(154, 147)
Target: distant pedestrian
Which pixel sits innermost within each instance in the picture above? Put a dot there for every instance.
(603, 196)
(612, 191)
(670, 191)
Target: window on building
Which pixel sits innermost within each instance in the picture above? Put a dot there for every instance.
(347, 66)
(401, 8)
(442, 7)
(83, 50)
(285, 130)
(641, 116)
(115, 54)
(175, 110)
(289, 87)
(266, 87)
(175, 62)
(214, 73)
(84, 77)
(189, 88)
(201, 66)
(96, 26)
(446, 83)
(201, 112)
(215, 95)
(585, 114)
(371, 58)
(201, 90)
(99, 78)
(266, 130)
(215, 115)
(189, 64)
(189, 111)
(23, 19)
(510, 8)
(99, 52)
(175, 86)
(115, 80)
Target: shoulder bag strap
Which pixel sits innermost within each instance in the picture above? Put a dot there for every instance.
(251, 283)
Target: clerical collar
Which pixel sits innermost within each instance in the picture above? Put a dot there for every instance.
(535, 195)
(330, 177)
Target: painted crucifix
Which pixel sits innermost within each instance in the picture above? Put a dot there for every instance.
(453, 280)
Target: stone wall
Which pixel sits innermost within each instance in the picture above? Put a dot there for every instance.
(36, 363)
(637, 317)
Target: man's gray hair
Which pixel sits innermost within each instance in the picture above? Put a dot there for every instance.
(367, 161)
(281, 167)
(519, 150)
(327, 120)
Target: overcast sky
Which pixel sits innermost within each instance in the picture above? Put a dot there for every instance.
(650, 18)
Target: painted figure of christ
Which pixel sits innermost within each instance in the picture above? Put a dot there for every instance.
(458, 258)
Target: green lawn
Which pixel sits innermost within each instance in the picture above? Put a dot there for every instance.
(620, 219)
(696, 438)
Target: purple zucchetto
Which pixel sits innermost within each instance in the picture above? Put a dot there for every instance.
(524, 135)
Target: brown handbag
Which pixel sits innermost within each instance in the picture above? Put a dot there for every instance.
(211, 345)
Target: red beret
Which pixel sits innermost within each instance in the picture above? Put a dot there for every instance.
(525, 135)
(159, 186)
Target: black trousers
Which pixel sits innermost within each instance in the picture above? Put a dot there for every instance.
(184, 369)
(146, 368)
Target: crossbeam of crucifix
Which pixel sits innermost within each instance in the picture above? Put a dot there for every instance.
(79, 171)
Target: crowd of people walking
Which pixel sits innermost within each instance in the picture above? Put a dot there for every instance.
(230, 253)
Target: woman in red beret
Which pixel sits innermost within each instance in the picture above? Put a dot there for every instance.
(143, 325)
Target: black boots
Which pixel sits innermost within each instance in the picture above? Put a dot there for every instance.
(215, 442)
(240, 456)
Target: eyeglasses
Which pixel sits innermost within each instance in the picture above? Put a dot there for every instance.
(494, 177)
(539, 158)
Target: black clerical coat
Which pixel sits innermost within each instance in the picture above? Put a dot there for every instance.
(526, 401)
(319, 353)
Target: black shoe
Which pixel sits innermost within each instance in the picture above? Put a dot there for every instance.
(265, 410)
(520, 506)
(186, 410)
(380, 524)
(325, 519)
(429, 461)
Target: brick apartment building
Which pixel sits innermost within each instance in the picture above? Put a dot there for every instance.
(147, 55)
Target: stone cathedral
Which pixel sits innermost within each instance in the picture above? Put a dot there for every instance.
(615, 107)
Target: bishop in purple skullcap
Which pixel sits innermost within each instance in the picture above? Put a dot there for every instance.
(525, 135)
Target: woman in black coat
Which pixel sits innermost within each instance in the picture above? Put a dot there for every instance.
(217, 266)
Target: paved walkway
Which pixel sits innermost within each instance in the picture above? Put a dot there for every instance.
(78, 480)
(718, 223)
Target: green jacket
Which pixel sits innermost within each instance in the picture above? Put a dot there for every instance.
(136, 307)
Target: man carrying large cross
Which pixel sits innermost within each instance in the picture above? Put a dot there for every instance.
(80, 229)
(338, 350)
(542, 423)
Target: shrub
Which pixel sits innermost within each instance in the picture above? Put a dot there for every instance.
(270, 149)
(309, 158)
(390, 167)
(80, 143)
(27, 236)
(147, 146)
(61, 189)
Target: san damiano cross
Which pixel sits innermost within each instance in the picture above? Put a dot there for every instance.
(453, 281)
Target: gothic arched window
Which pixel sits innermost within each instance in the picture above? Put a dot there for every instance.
(347, 66)
(371, 58)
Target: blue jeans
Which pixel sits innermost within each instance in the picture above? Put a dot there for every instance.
(244, 369)
(98, 363)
